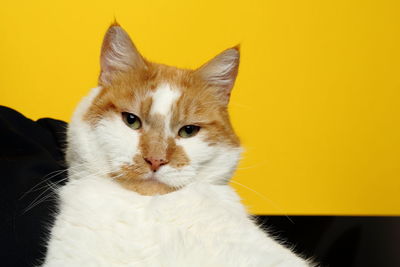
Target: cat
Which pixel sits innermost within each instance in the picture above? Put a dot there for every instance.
(150, 152)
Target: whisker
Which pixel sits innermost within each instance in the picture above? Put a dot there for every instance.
(272, 203)
(41, 197)
(48, 177)
(53, 174)
(53, 187)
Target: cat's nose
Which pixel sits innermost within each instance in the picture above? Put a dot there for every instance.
(155, 163)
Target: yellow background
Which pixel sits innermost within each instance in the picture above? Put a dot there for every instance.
(316, 102)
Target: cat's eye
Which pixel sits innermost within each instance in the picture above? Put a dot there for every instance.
(131, 120)
(188, 131)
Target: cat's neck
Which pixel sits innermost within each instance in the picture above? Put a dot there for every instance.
(96, 193)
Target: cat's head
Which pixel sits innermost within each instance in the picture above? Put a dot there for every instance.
(152, 127)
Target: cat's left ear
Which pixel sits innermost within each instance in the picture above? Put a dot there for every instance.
(221, 71)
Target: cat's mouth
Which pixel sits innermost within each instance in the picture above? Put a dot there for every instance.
(147, 184)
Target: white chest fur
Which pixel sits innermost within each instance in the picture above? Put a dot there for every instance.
(102, 224)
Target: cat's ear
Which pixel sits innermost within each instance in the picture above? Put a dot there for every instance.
(118, 55)
(221, 71)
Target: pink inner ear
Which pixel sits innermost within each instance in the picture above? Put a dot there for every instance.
(221, 71)
(118, 54)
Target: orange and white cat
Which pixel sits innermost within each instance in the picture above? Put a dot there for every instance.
(150, 152)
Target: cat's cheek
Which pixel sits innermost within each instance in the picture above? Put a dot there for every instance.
(200, 153)
(196, 149)
(117, 142)
(176, 177)
(213, 163)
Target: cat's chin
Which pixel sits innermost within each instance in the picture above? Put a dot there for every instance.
(149, 186)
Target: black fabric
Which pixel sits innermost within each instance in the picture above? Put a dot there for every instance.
(30, 152)
(32, 161)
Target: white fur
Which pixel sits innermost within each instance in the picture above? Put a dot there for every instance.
(202, 224)
(163, 99)
(105, 147)
(102, 224)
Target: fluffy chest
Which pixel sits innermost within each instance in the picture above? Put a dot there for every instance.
(101, 223)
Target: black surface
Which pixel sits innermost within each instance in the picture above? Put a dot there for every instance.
(31, 157)
(340, 240)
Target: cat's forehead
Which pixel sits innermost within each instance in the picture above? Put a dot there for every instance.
(163, 99)
(161, 89)
(172, 106)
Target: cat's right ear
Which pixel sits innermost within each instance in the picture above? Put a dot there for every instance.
(118, 55)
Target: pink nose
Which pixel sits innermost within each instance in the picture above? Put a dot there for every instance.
(155, 163)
